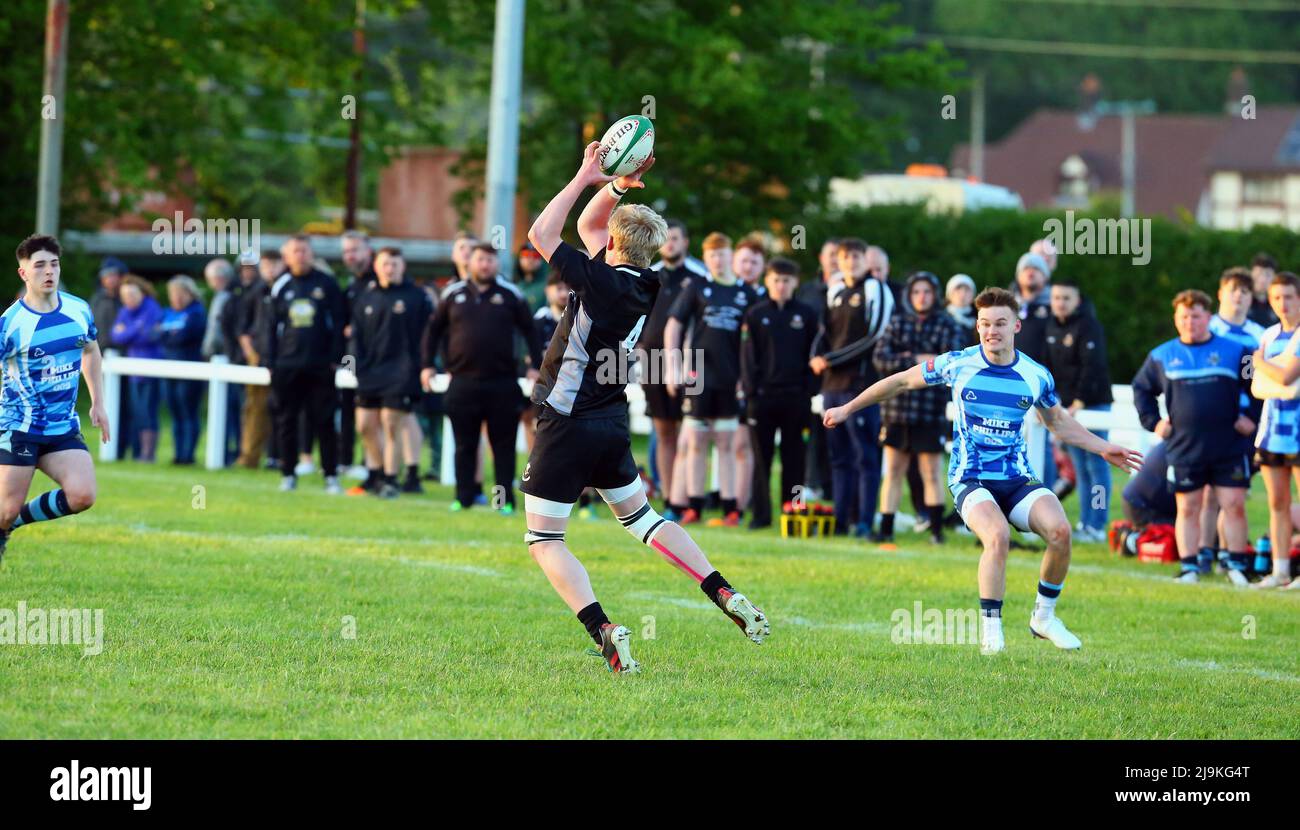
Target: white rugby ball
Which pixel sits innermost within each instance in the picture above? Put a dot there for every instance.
(627, 145)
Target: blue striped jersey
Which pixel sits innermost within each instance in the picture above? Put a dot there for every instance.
(41, 353)
(1248, 333)
(1279, 425)
(992, 402)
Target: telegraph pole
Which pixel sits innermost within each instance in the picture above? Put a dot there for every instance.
(503, 130)
(50, 172)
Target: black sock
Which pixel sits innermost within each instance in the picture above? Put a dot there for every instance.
(593, 617)
(412, 472)
(696, 503)
(1238, 561)
(990, 607)
(712, 584)
(1189, 564)
(936, 519)
(887, 525)
(374, 477)
(729, 506)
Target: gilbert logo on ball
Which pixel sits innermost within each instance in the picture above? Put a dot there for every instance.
(627, 145)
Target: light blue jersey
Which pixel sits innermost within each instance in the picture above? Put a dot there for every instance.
(41, 353)
(1279, 425)
(992, 402)
(1247, 334)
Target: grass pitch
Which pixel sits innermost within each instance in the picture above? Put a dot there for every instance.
(235, 611)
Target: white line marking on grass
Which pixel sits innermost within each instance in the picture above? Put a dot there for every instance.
(1266, 674)
(449, 566)
(697, 604)
(295, 538)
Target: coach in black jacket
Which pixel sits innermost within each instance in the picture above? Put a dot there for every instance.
(304, 345)
(778, 383)
(475, 317)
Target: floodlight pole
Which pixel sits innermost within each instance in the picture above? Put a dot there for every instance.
(52, 107)
(503, 130)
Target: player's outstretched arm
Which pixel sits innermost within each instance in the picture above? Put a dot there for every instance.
(593, 222)
(92, 369)
(1069, 431)
(881, 390)
(546, 232)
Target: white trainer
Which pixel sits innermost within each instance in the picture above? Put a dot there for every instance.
(1055, 632)
(1272, 581)
(1188, 577)
(288, 483)
(332, 486)
(991, 639)
(1238, 578)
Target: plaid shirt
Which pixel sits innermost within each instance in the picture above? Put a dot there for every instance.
(905, 337)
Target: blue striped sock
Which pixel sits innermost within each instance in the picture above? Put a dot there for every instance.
(43, 508)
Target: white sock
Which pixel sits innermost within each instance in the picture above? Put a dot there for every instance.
(1282, 568)
(1045, 608)
(991, 624)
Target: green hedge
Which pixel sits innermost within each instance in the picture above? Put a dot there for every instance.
(1132, 301)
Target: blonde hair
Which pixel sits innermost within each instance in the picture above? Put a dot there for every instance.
(638, 232)
(182, 281)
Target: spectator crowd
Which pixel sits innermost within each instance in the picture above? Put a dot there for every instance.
(729, 360)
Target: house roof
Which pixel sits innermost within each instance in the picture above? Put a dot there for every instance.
(1173, 152)
(1269, 142)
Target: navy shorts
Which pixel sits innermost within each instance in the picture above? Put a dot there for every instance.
(1014, 496)
(24, 449)
(1233, 471)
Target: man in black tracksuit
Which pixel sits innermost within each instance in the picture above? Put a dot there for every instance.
(476, 317)
(388, 321)
(777, 341)
(359, 261)
(305, 345)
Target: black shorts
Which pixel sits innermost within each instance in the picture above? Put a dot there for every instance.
(571, 454)
(24, 449)
(923, 436)
(710, 403)
(659, 404)
(1264, 458)
(1233, 471)
(403, 403)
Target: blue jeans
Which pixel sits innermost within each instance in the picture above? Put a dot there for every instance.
(854, 449)
(144, 404)
(234, 406)
(183, 398)
(1093, 485)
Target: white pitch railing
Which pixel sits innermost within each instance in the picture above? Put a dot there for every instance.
(1121, 421)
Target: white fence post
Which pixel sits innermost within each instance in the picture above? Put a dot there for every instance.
(108, 450)
(217, 395)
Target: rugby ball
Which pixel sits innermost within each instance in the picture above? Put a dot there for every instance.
(626, 145)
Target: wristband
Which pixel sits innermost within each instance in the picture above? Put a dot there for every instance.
(618, 194)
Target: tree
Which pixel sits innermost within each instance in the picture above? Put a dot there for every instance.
(747, 135)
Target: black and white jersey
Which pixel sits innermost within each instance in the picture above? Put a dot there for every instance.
(713, 314)
(855, 321)
(387, 325)
(587, 363)
(673, 281)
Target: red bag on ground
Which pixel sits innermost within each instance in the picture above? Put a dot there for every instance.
(1157, 543)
